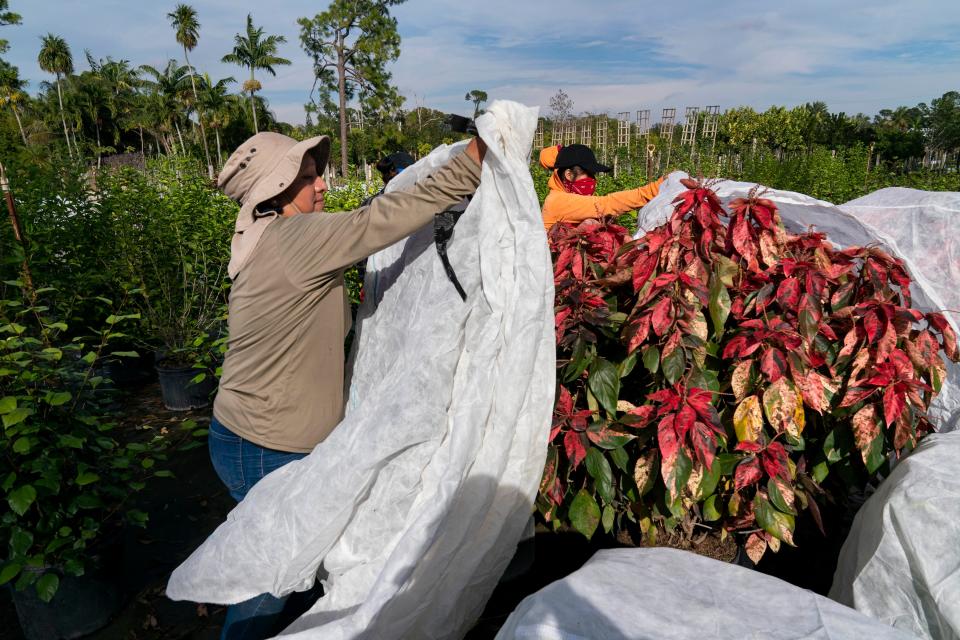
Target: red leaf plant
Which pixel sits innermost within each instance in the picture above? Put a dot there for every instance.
(722, 372)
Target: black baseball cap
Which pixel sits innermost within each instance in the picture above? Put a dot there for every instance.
(579, 155)
(395, 162)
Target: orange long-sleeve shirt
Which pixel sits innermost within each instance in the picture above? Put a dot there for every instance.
(561, 206)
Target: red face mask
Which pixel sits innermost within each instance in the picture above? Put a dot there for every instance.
(584, 185)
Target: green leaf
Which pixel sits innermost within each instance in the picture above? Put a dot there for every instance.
(607, 519)
(727, 269)
(21, 498)
(777, 498)
(9, 572)
(125, 354)
(673, 365)
(599, 469)
(584, 513)
(830, 447)
(651, 358)
(875, 458)
(22, 445)
(719, 304)
(86, 477)
(604, 383)
(88, 501)
(47, 586)
(710, 511)
(820, 471)
(15, 417)
(779, 525)
(709, 481)
(73, 567)
(675, 474)
(59, 398)
(626, 367)
(7, 404)
(20, 541)
(621, 458)
(71, 441)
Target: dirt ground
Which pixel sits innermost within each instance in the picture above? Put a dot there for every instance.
(185, 509)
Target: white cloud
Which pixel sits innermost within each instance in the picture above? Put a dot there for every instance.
(611, 55)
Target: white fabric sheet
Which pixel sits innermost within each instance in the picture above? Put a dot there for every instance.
(415, 504)
(667, 594)
(922, 225)
(901, 561)
(935, 287)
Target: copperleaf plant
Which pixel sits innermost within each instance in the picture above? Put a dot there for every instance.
(721, 371)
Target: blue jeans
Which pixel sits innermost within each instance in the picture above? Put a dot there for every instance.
(240, 465)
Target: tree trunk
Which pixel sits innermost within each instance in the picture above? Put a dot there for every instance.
(63, 118)
(342, 89)
(16, 115)
(219, 154)
(203, 131)
(142, 153)
(253, 103)
(97, 126)
(183, 149)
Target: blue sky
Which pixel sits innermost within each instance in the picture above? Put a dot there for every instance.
(609, 56)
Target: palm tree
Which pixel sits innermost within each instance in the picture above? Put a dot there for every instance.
(214, 98)
(184, 21)
(11, 92)
(55, 58)
(253, 51)
(167, 86)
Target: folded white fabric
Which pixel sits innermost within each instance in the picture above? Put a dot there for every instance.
(415, 504)
(936, 285)
(901, 561)
(667, 594)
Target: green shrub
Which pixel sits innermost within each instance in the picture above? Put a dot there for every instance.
(65, 474)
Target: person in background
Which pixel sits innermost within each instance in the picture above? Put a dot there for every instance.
(281, 392)
(393, 164)
(389, 166)
(573, 183)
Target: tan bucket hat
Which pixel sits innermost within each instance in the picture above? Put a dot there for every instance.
(260, 169)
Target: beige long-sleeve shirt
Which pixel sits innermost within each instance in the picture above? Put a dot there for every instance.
(282, 382)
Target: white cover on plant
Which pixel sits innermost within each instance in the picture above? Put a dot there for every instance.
(934, 285)
(667, 594)
(922, 225)
(901, 561)
(415, 504)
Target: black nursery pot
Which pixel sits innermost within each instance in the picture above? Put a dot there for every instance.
(81, 606)
(179, 393)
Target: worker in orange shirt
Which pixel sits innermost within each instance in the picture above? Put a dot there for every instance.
(573, 184)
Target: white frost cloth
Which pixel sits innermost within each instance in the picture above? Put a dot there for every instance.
(923, 227)
(667, 594)
(901, 562)
(415, 503)
(935, 285)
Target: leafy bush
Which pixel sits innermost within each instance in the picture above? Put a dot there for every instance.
(348, 196)
(722, 372)
(65, 475)
(172, 244)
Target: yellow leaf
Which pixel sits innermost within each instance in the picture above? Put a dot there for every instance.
(748, 420)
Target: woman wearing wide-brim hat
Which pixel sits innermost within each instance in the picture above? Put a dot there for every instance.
(281, 392)
(573, 183)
